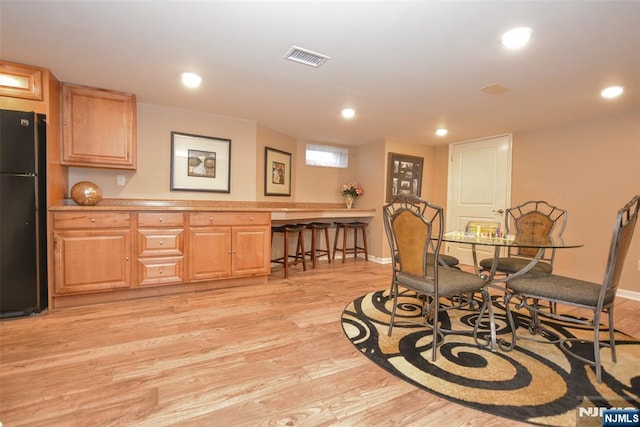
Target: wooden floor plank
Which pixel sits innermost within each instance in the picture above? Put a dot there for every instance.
(270, 354)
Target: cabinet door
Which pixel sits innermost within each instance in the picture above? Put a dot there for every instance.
(209, 252)
(99, 128)
(91, 260)
(251, 249)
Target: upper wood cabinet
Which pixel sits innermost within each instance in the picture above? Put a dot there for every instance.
(98, 128)
(20, 81)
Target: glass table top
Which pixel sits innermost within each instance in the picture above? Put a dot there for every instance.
(519, 241)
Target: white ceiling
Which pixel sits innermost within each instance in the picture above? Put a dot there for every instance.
(407, 67)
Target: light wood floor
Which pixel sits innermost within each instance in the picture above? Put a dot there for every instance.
(265, 355)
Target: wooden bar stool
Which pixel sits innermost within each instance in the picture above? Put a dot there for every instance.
(287, 231)
(315, 251)
(345, 227)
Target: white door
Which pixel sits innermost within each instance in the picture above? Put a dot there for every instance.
(479, 189)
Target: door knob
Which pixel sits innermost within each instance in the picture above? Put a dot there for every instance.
(499, 211)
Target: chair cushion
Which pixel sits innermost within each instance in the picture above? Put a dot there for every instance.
(560, 288)
(451, 261)
(511, 265)
(292, 228)
(451, 282)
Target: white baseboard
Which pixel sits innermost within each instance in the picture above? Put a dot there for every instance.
(628, 294)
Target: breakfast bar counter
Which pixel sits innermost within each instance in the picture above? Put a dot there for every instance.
(279, 211)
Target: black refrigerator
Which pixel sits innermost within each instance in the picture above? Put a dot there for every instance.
(23, 234)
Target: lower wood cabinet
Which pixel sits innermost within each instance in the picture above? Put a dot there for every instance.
(92, 252)
(102, 252)
(228, 244)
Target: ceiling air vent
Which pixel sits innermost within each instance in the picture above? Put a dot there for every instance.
(305, 56)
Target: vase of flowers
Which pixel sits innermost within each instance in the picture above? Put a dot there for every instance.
(351, 192)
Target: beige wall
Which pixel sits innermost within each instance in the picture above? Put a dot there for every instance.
(151, 180)
(370, 168)
(316, 184)
(591, 169)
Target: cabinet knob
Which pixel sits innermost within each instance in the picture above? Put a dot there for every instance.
(253, 219)
(210, 218)
(160, 271)
(161, 243)
(160, 219)
(93, 220)
(126, 258)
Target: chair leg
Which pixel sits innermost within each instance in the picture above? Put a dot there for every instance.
(364, 244)
(286, 254)
(434, 331)
(313, 247)
(596, 350)
(335, 241)
(394, 287)
(355, 243)
(612, 338)
(344, 244)
(326, 238)
(512, 324)
(300, 250)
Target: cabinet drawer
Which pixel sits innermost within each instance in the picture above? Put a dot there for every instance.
(158, 271)
(229, 218)
(91, 220)
(160, 242)
(161, 219)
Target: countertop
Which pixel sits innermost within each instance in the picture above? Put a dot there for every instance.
(278, 210)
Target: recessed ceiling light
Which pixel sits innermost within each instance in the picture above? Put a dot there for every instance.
(348, 113)
(191, 80)
(516, 38)
(612, 92)
(442, 131)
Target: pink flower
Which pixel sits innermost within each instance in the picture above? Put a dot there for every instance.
(352, 189)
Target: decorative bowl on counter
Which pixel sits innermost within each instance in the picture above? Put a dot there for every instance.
(86, 193)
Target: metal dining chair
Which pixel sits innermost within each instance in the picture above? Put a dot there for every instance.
(537, 218)
(414, 229)
(595, 297)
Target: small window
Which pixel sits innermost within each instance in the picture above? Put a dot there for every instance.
(322, 155)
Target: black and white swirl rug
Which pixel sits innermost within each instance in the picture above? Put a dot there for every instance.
(535, 383)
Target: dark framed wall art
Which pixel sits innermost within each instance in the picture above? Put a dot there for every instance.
(200, 163)
(404, 175)
(277, 169)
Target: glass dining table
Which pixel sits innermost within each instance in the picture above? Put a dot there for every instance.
(509, 241)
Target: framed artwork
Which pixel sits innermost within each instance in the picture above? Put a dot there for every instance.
(277, 169)
(200, 163)
(404, 175)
